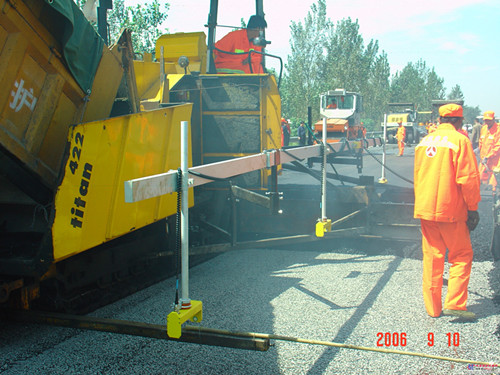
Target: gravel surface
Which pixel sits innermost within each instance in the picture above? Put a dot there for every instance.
(326, 291)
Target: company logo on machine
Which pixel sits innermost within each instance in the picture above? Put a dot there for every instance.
(22, 96)
(431, 151)
(493, 368)
(78, 209)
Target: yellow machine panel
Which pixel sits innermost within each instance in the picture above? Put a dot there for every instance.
(271, 114)
(191, 45)
(148, 73)
(90, 206)
(397, 117)
(40, 98)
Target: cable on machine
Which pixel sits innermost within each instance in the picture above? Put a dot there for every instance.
(389, 169)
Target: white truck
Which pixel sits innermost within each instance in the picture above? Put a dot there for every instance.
(342, 110)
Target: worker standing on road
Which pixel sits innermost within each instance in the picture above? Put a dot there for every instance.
(489, 149)
(400, 136)
(285, 133)
(446, 200)
(232, 52)
(301, 132)
(476, 133)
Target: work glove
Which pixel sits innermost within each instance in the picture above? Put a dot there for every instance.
(472, 220)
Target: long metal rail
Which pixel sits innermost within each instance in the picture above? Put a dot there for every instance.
(156, 331)
(165, 183)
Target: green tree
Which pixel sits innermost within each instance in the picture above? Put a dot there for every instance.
(303, 78)
(327, 56)
(434, 90)
(347, 61)
(418, 84)
(143, 20)
(356, 67)
(376, 92)
(470, 113)
(456, 93)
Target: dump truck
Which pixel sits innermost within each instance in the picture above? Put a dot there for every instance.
(406, 113)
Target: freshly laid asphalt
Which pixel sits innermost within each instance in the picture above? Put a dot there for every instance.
(352, 292)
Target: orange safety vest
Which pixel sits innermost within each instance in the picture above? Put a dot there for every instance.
(446, 178)
(489, 143)
(489, 147)
(401, 134)
(464, 132)
(237, 42)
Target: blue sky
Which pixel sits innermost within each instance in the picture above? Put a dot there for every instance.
(459, 38)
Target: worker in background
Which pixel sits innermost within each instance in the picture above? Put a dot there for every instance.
(476, 132)
(363, 130)
(463, 131)
(301, 132)
(332, 104)
(433, 126)
(446, 182)
(285, 133)
(232, 51)
(489, 149)
(400, 136)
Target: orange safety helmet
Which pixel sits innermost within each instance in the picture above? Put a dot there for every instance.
(451, 110)
(489, 115)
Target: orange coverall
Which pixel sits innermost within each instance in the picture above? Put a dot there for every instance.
(489, 147)
(400, 136)
(237, 42)
(446, 181)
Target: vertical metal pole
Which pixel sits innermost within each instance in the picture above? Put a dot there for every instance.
(185, 301)
(212, 23)
(382, 179)
(323, 177)
(309, 124)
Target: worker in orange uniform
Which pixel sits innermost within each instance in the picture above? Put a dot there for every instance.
(432, 128)
(400, 136)
(489, 149)
(332, 104)
(285, 132)
(447, 194)
(233, 52)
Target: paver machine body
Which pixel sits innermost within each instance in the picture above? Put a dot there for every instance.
(63, 158)
(77, 120)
